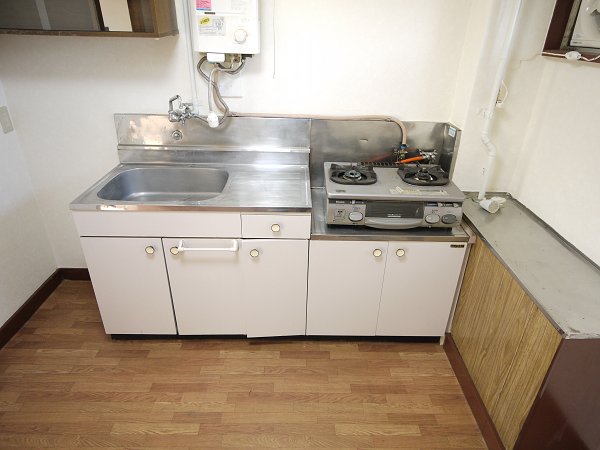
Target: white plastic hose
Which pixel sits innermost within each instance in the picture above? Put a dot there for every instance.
(489, 112)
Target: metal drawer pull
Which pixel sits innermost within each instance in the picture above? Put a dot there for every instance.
(275, 228)
(400, 252)
(180, 248)
(377, 253)
(254, 253)
(150, 250)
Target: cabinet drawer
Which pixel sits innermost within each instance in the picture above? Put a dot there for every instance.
(158, 223)
(276, 226)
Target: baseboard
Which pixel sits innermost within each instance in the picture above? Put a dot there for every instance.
(31, 305)
(484, 421)
(22, 315)
(75, 274)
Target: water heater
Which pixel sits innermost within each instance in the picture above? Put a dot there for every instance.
(225, 26)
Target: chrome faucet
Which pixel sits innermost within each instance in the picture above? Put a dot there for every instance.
(183, 111)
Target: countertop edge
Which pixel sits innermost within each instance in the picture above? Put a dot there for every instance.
(566, 332)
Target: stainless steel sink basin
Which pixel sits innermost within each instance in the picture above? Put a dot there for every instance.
(165, 184)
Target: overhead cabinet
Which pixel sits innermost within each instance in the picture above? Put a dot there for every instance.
(122, 18)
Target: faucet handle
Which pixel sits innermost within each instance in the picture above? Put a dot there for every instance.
(172, 100)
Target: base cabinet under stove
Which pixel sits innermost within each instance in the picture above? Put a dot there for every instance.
(369, 288)
(419, 286)
(344, 287)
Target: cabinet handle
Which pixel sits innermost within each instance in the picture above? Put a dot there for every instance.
(400, 252)
(377, 253)
(254, 253)
(275, 228)
(150, 250)
(180, 248)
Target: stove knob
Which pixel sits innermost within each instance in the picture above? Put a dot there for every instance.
(449, 218)
(355, 216)
(432, 218)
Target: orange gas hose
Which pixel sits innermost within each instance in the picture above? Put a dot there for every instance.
(408, 160)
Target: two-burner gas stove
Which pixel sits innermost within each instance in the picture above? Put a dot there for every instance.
(391, 197)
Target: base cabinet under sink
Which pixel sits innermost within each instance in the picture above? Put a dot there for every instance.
(206, 286)
(260, 282)
(255, 287)
(380, 288)
(130, 283)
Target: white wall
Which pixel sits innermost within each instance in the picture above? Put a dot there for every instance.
(550, 116)
(330, 57)
(557, 176)
(26, 259)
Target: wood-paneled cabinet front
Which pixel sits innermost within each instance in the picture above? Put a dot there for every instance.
(505, 341)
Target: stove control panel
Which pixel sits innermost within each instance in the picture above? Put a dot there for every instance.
(346, 212)
(393, 214)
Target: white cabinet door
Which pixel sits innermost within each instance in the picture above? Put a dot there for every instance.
(418, 288)
(206, 278)
(130, 283)
(344, 287)
(274, 286)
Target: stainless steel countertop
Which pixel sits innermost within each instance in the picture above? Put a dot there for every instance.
(562, 282)
(322, 231)
(250, 187)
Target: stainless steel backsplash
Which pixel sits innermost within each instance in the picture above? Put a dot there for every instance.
(152, 138)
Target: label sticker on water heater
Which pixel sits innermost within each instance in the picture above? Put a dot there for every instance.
(205, 5)
(212, 25)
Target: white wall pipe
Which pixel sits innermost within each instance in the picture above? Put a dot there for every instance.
(489, 112)
(190, 53)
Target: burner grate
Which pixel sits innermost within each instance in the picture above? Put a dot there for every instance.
(352, 174)
(419, 175)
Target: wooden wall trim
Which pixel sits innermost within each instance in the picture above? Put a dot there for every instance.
(31, 305)
(22, 315)
(75, 274)
(484, 421)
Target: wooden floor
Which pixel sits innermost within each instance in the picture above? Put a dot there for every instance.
(65, 384)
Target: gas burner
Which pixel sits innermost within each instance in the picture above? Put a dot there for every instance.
(352, 174)
(419, 175)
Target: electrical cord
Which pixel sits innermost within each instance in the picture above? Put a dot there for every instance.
(572, 56)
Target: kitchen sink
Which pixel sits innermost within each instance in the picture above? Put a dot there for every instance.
(165, 184)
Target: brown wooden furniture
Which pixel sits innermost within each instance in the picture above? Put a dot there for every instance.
(525, 373)
(149, 18)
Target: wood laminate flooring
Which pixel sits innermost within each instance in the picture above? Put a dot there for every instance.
(65, 384)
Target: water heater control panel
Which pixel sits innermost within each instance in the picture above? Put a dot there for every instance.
(225, 26)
